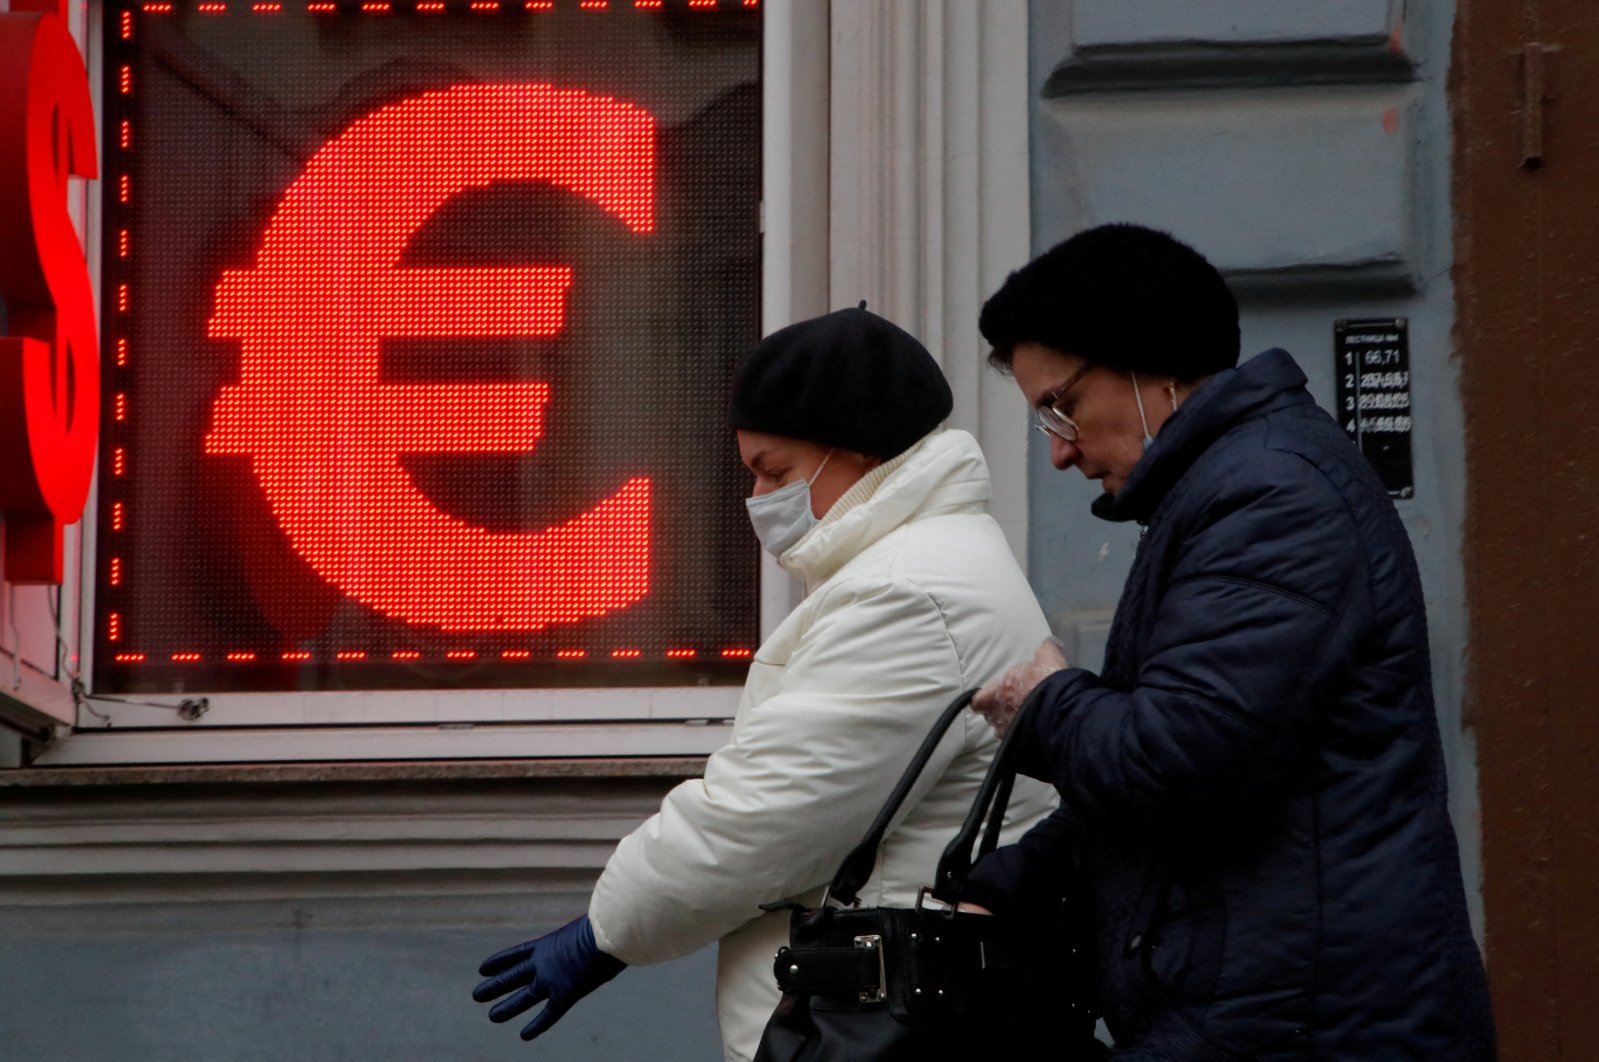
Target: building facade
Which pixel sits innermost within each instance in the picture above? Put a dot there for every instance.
(310, 863)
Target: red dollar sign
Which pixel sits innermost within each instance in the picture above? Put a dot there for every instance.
(50, 362)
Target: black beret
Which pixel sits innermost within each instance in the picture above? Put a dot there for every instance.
(849, 379)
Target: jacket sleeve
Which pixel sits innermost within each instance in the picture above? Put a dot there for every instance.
(1264, 595)
(1028, 878)
(804, 774)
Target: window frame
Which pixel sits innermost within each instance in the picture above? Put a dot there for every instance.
(208, 727)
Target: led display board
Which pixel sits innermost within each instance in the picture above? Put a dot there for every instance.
(419, 321)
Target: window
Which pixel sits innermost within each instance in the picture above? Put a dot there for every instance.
(419, 320)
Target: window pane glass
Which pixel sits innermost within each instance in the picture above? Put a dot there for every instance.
(420, 319)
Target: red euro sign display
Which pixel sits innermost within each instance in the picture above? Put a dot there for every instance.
(49, 363)
(325, 433)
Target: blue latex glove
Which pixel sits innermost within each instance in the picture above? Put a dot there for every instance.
(557, 969)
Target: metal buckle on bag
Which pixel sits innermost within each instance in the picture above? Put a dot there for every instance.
(870, 942)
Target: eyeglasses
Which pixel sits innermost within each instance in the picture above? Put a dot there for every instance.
(1051, 421)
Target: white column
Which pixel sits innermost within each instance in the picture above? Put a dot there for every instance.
(928, 194)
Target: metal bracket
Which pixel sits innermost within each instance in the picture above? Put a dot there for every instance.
(871, 942)
(1534, 92)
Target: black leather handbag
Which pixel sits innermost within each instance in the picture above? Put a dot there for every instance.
(929, 983)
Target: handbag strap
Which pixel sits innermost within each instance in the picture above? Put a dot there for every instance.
(956, 862)
(857, 866)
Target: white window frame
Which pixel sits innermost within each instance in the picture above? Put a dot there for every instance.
(862, 102)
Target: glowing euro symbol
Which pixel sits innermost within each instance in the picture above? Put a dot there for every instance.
(325, 436)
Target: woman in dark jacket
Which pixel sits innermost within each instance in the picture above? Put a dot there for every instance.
(1254, 783)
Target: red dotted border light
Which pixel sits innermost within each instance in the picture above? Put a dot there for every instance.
(408, 656)
(385, 7)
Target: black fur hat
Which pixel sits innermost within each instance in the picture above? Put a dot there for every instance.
(1123, 296)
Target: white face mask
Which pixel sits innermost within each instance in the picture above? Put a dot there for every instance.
(782, 517)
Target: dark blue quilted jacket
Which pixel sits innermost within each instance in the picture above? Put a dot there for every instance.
(1255, 780)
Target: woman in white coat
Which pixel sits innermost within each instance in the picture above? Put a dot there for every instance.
(913, 595)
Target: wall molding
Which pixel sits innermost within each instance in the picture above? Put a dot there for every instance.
(98, 844)
(1200, 65)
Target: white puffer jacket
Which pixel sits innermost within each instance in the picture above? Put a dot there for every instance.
(913, 596)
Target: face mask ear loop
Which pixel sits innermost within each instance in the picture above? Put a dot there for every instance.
(1171, 389)
(1139, 397)
(821, 466)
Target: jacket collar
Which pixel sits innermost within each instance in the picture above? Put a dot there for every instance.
(1264, 383)
(943, 472)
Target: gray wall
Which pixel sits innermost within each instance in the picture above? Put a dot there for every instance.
(1304, 148)
(316, 979)
(268, 913)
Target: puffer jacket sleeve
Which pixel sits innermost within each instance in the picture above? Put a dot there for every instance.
(1027, 879)
(1256, 614)
(804, 774)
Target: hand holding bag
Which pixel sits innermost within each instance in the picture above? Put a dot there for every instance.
(931, 982)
